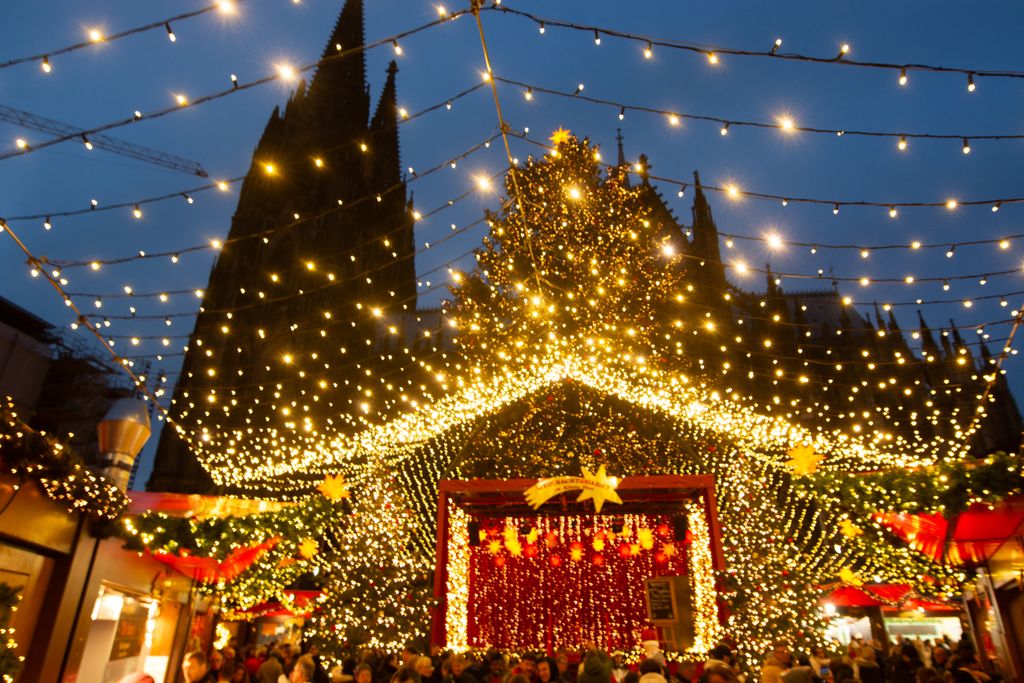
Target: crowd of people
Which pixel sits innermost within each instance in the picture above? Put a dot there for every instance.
(904, 661)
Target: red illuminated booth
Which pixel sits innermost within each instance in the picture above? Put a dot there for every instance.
(561, 575)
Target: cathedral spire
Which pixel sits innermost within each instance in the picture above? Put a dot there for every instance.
(384, 129)
(622, 156)
(928, 344)
(339, 85)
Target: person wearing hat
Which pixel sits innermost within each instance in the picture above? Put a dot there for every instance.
(651, 671)
(597, 668)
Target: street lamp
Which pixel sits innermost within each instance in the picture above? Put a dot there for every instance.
(122, 433)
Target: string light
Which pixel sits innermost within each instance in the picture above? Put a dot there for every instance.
(724, 130)
(137, 211)
(21, 143)
(712, 58)
(397, 48)
(45, 65)
(844, 50)
(95, 35)
(970, 83)
(649, 51)
(902, 144)
(903, 75)
(87, 143)
(892, 212)
(540, 28)
(775, 46)
(967, 146)
(170, 34)
(597, 38)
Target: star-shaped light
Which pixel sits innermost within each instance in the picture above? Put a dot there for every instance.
(603, 489)
(803, 460)
(849, 529)
(847, 575)
(334, 488)
(645, 537)
(559, 136)
(308, 548)
(515, 548)
(494, 547)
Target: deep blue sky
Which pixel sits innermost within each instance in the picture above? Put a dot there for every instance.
(107, 82)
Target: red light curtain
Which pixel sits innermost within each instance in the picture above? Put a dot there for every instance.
(535, 595)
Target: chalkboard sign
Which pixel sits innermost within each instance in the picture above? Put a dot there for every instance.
(661, 600)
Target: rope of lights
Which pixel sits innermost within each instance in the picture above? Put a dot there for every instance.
(96, 36)
(784, 124)
(734, 192)
(284, 73)
(97, 207)
(712, 52)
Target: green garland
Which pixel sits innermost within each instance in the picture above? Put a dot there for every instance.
(10, 663)
(63, 475)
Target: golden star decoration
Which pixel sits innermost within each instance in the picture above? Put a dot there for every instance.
(847, 575)
(334, 488)
(669, 549)
(602, 489)
(598, 544)
(532, 537)
(576, 554)
(849, 529)
(803, 460)
(515, 548)
(559, 136)
(494, 547)
(634, 549)
(308, 548)
(645, 537)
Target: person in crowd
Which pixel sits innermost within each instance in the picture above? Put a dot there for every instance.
(303, 670)
(686, 672)
(254, 657)
(927, 674)
(906, 664)
(651, 671)
(361, 674)
(319, 673)
(216, 662)
(458, 671)
(271, 670)
(867, 667)
(527, 666)
(562, 660)
(518, 678)
(840, 669)
(387, 667)
(597, 668)
(632, 677)
(801, 673)
(819, 659)
(720, 655)
(409, 654)
(619, 669)
(547, 671)
(776, 664)
(940, 659)
(424, 666)
(496, 668)
(227, 673)
(719, 674)
(196, 669)
(406, 674)
(137, 677)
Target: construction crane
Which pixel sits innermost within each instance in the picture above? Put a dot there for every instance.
(152, 156)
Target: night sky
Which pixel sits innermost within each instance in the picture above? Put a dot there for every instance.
(107, 82)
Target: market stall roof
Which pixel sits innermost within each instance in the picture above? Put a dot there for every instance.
(894, 595)
(971, 537)
(211, 570)
(200, 507)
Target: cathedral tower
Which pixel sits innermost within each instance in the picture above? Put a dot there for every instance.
(322, 224)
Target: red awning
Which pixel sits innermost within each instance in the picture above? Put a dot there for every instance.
(895, 595)
(302, 600)
(209, 569)
(971, 537)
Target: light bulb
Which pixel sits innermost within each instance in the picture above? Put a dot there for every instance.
(835, 209)
(46, 65)
(540, 28)
(725, 128)
(951, 204)
(902, 144)
(892, 212)
(528, 94)
(995, 207)
(397, 47)
(622, 113)
(712, 58)
(903, 76)
(950, 251)
(649, 51)
(85, 141)
(967, 146)
(844, 49)
(170, 34)
(137, 211)
(775, 46)
(597, 38)
(96, 35)
(21, 143)
(970, 83)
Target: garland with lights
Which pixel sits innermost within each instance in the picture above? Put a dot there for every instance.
(10, 663)
(59, 471)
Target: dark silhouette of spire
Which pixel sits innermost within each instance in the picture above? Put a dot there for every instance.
(339, 85)
(384, 131)
(928, 344)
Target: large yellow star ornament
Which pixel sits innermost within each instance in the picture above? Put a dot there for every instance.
(601, 488)
(559, 136)
(848, 576)
(308, 548)
(803, 460)
(849, 529)
(333, 487)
